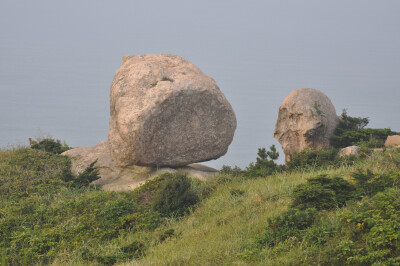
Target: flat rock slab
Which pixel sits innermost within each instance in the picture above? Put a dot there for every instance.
(116, 178)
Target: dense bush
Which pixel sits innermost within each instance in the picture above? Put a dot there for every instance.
(351, 131)
(175, 196)
(313, 158)
(51, 145)
(290, 224)
(370, 233)
(368, 183)
(322, 193)
(317, 159)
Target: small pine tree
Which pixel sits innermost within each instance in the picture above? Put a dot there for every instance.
(265, 164)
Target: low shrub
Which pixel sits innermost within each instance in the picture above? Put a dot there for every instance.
(322, 193)
(368, 183)
(290, 224)
(51, 145)
(174, 196)
(318, 159)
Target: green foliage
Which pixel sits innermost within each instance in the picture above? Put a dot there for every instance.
(317, 194)
(25, 171)
(371, 232)
(264, 166)
(351, 131)
(317, 109)
(352, 123)
(290, 224)
(227, 170)
(317, 159)
(89, 175)
(135, 249)
(175, 196)
(46, 211)
(322, 193)
(51, 145)
(368, 183)
(164, 78)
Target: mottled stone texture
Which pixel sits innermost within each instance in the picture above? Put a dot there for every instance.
(166, 112)
(393, 141)
(306, 120)
(351, 150)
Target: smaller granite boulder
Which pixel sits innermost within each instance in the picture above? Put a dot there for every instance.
(306, 120)
(351, 150)
(393, 141)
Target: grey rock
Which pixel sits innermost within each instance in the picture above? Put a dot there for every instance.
(351, 150)
(306, 120)
(166, 112)
(114, 177)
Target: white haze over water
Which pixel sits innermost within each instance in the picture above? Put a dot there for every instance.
(58, 58)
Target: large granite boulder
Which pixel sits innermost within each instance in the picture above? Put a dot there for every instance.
(116, 178)
(306, 120)
(166, 112)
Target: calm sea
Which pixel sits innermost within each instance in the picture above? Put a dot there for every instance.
(58, 58)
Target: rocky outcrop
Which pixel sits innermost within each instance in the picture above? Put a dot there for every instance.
(115, 178)
(351, 150)
(393, 141)
(306, 119)
(166, 112)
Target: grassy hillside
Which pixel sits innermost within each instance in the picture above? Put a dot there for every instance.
(49, 216)
(226, 228)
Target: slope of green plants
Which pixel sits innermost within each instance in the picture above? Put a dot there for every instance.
(320, 211)
(264, 225)
(47, 214)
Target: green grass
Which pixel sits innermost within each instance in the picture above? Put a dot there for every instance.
(44, 219)
(224, 228)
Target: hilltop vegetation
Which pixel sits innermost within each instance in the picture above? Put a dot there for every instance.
(319, 209)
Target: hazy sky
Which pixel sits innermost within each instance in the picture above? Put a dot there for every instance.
(58, 58)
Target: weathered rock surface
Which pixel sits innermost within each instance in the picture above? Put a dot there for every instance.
(166, 112)
(307, 119)
(393, 141)
(351, 150)
(115, 178)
